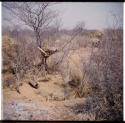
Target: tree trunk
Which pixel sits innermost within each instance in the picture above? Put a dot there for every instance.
(39, 44)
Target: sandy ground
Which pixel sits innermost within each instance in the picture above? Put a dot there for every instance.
(48, 102)
(45, 103)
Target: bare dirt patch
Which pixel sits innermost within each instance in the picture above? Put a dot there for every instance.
(45, 103)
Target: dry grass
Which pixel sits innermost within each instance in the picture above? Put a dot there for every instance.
(101, 86)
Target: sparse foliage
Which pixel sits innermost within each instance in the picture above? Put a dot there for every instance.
(90, 62)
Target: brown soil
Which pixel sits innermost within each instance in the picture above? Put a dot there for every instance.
(45, 103)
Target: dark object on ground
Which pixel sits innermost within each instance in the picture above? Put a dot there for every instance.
(34, 85)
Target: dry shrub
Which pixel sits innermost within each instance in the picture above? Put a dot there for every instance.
(93, 106)
(18, 57)
(106, 75)
(8, 54)
(70, 66)
(8, 80)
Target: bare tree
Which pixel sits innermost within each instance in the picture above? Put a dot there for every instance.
(38, 16)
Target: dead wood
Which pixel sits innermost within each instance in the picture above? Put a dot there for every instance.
(34, 84)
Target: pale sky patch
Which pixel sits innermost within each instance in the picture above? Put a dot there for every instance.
(96, 15)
